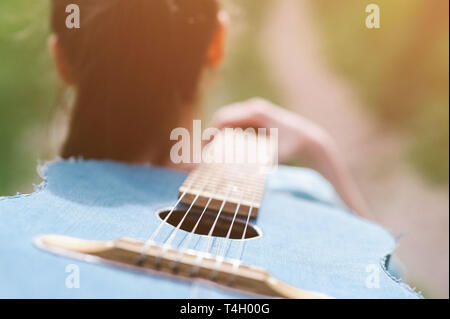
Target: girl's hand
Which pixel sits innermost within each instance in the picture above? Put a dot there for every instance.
(298, 139)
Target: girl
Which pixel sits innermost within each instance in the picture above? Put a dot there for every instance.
(137, 66)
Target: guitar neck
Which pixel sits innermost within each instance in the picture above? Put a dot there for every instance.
(236, 185)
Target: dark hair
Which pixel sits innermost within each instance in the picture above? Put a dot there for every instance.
(136, 64)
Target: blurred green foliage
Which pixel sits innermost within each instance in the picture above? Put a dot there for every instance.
(400, 70)
(26, 91)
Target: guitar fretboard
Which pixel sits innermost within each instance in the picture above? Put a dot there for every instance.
(236, 187)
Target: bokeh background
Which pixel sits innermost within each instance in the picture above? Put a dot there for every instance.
(383, 94)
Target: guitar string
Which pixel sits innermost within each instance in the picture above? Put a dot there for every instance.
(219, 258)
(193, 230)
(232, 188)
(151, 240)
(175, 230)
(187, 239)
(243, 242)
(211, 231)
(172, 235)
(200, 255)
(190, 235)
(186, 244)
(253, 194)
(231, 225)
(236, 262)
(143, 255)
(166, 244)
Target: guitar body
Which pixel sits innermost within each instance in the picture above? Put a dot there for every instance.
(306, 238)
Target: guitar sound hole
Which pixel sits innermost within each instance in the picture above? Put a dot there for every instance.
(206, 222)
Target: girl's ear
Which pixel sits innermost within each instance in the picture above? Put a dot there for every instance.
(216, 50)
(60, 60)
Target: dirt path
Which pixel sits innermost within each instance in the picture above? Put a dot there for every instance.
(399, 198)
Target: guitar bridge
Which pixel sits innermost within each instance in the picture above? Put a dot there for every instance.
(186, 265)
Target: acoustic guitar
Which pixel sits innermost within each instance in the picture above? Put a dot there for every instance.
(101, 229)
